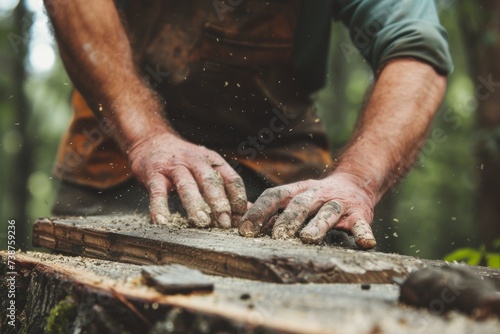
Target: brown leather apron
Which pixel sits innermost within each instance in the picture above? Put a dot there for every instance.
(224, 69)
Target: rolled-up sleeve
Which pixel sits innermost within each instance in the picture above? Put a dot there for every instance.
(386, 29)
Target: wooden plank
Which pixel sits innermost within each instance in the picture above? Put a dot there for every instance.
(130, 239)
(222, 252)
(111, 297)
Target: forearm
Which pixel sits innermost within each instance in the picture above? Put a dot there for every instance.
(393, 126)
(97, 55)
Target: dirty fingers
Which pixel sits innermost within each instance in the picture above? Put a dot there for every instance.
(310, 209)
(210, 191)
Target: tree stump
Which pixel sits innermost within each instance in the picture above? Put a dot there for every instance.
(246, 285)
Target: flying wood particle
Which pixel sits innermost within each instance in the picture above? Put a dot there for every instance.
(245, 296)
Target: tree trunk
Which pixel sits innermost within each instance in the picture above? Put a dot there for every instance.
(64, 294)
(480, 22)
(23, 163)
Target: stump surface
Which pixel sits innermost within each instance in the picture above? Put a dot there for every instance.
(105, 296)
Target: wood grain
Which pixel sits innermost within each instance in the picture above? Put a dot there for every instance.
(111, 297)
(222, 252)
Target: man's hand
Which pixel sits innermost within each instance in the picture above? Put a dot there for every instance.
(383, 147)
(211, 192)
(98, 57)
(338, 201)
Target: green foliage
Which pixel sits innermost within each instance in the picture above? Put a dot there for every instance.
(62, 315)
(475, 257)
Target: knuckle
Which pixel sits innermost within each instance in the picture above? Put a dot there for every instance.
(184, 185)
(235, 181)
(268, 192)
(254, 215)
(212, 177)
(308, 184)
(333, 206)
(240, 199)
(279, 192)
(288, 217)
(156, 188)
(304, 198)
(263, 203)
(239, 206)
(155, 192)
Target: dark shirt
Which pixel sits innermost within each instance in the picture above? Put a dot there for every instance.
(380, 29)
(240, 84)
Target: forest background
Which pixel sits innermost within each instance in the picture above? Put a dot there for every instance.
(449, 203)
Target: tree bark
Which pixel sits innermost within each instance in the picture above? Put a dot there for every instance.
(23, 163)
(64, 294)
(480, 22)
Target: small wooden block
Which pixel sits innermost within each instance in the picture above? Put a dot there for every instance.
(176, 279)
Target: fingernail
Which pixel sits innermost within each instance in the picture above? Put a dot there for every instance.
(365, 243)
(311, 230)
(281, 232)
(224, 220)
(310, 235)
(202, 219)
(363, 235)
(247, 229)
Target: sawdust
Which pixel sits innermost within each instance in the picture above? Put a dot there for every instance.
(318, 308)
(177, 222)
(99, 267)
(112, 223)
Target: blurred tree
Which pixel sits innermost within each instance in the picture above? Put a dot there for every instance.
(23, 162)
(480, 23)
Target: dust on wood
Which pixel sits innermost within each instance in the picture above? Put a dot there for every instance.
(221, 252)
(236, 305)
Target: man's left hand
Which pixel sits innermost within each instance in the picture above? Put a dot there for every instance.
(339, 201)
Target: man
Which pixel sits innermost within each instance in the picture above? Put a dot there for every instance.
(184, 95)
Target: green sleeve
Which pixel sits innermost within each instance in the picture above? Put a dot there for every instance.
(387, 29)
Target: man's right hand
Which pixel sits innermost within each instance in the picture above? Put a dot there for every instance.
(211, 192)
(97, 54)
